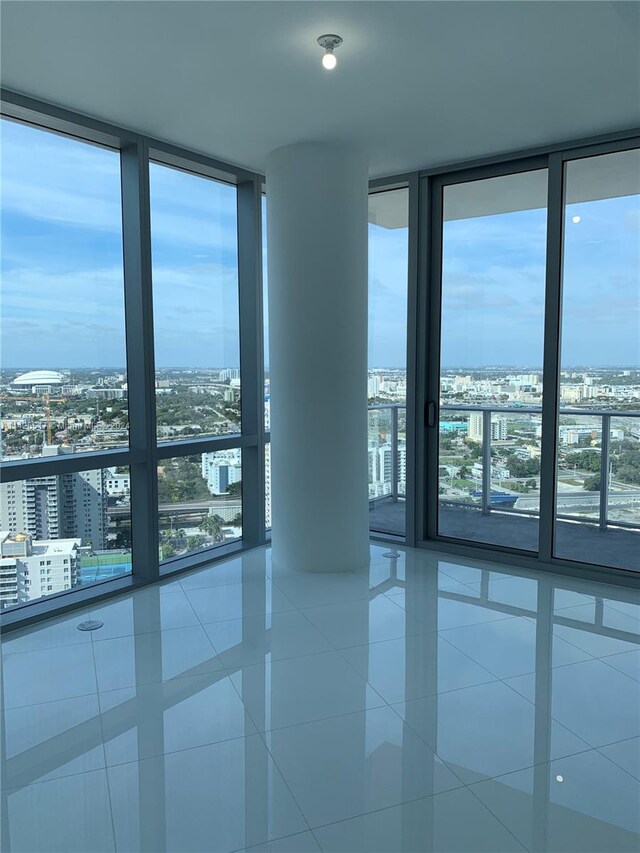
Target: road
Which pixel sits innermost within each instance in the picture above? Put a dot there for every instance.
(185, 506)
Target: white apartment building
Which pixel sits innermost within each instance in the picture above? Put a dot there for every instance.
(571, 393)
(229, 374)
(30, 569)
(11, 590)
(380, 473)
(267, 484)
(373, 386)
(498, 472)
(498, 427)
(117, 484)
(221, 469)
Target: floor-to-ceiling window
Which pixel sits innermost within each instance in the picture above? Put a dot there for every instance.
(197, 359)
(598, 443)
(387, 378)
(131, 303)
(65, 512)
(93, 225)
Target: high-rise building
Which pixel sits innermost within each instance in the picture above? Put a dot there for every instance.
(381, 472)
(70, 505)
(229, 373)
(498, 427)
(84, 507)
(31, 506)
(373, 386)
(267, 484)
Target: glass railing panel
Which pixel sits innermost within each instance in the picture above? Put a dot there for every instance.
(623, 493)
(489, 475)
(386, 454)
(460, 461)
(515, 462)
(402, 452)
(380, 451)
(578, 467)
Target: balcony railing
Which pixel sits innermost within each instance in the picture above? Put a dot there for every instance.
(600, 500)
(397, 475)
(600, 497)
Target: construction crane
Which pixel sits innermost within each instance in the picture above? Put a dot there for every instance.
(47, 411)
(46, 397)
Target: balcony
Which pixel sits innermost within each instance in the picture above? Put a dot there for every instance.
(599, 525)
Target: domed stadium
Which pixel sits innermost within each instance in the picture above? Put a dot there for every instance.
(38, 377)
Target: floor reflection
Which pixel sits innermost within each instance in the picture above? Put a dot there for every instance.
(428, 704)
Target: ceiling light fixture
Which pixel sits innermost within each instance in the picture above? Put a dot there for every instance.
(329, 42)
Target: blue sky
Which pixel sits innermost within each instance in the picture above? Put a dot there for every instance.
(494, 278)
(62, 289)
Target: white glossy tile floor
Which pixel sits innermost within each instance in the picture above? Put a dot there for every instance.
(430, 704)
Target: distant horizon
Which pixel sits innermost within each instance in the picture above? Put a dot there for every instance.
(522, 367)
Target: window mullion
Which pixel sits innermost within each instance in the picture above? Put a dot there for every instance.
(140, 358)
(251, 358)
(551, 363)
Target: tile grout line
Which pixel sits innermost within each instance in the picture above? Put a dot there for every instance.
(411, 801)
(491, 812)
(262, 737)
(613, 761)
(488, 778)
(104, 747)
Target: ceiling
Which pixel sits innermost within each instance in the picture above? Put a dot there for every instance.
(418, 84)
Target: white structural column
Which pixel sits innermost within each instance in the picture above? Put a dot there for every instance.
(317, 263)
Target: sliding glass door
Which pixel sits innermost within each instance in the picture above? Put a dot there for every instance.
(533, 421)
(491, 354)
(598, 441)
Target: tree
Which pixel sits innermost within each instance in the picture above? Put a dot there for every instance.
(522, 467)
(464, 473)
(167, 550)
(626, 462)
(446, 442)
(592, 484)
(235, 488)
(212, 526)
(194, 542)
(182, 481)
(123, 538)
(588, 460)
